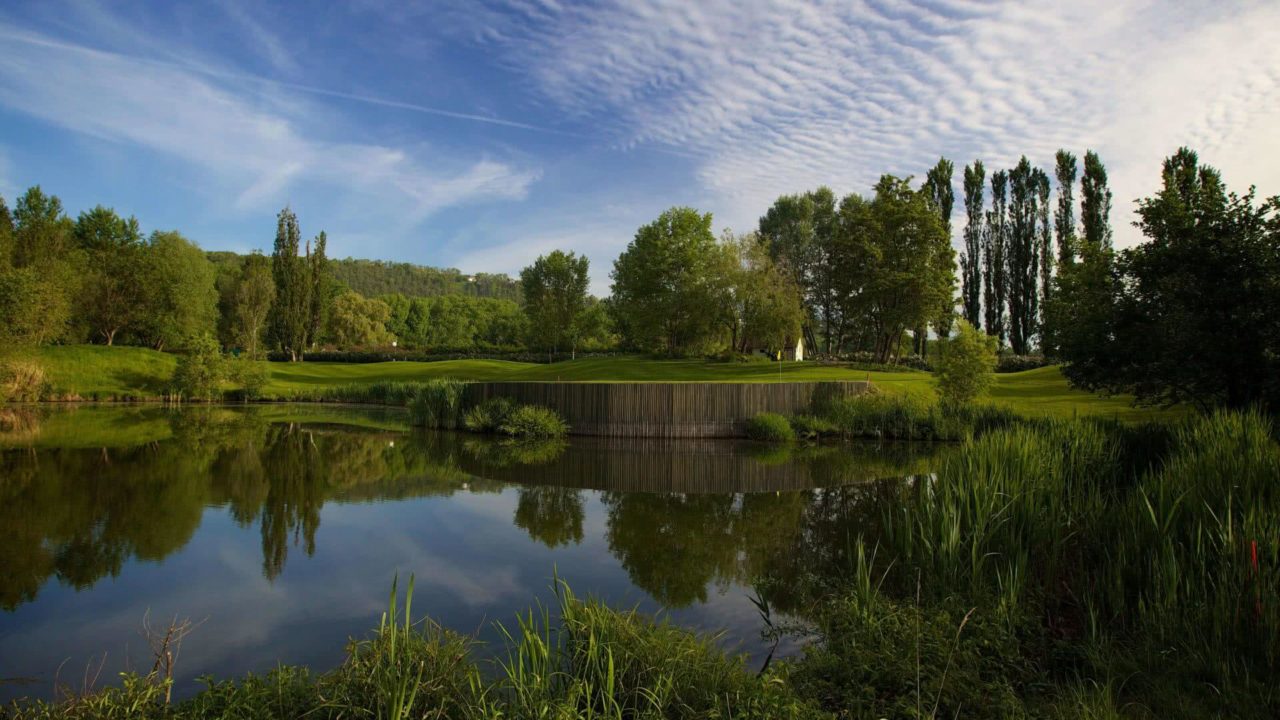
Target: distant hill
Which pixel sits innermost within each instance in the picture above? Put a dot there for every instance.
(372, 278)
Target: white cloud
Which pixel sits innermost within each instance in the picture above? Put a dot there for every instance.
(255, 146)
(776, 97)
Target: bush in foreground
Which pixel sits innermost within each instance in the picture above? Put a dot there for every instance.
(489, 415)
(770, 427)
(532, 421)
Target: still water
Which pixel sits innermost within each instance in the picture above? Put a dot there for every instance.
(279, 529)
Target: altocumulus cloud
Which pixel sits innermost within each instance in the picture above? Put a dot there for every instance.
(782, 96)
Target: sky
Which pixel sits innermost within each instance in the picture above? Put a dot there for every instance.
(480, 134)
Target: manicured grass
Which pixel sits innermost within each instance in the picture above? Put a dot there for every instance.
(107, 372)
(87, 370)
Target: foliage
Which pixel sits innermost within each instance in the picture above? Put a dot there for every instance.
(34, 307)
(250, 375)
(489, 415)
(22, 381)
(359, 322)
(375, 278)
(765, 309)
(532, 421)
(455, 323)
(181, 299)
(555, 299)
(770, 427)
(963, 371)
(1191, 315)
(880, 658)
(799, 232)
(971, 258)
(291, 314)
(42, 233)
(322, 292)
(1095, 204)
(668, 282)
(115, 284)
(255, 292)
(437, 404)
(995, 283)
(201, 370)
(1022, 253)
(896, 265)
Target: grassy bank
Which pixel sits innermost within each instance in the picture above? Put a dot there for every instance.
(120, 373)
(1060, 569)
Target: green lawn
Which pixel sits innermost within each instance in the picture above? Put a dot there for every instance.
(87, 370)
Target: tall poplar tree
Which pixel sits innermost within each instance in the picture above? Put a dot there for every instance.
(1064, 220)
(291, 314)
(322, 295)
(1095, 204)
(995, 283)
(975, 177)
(942, 195)
(1046, 237)
(1021, 255)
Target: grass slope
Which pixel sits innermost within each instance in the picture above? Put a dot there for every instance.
(89, 370)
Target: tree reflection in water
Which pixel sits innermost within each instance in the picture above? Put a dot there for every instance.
(83, 492)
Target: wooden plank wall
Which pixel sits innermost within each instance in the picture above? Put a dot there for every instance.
(664, 410)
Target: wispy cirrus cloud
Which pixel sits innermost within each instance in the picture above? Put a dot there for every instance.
(776, 97)
(254, 146)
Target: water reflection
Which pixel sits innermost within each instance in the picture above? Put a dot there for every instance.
(86, 494)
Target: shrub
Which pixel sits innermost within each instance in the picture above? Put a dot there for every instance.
(965, 366)
(437, 404)
(532, 421)
(250, 375)
(770, 427)
(22, 381)
(1019, 363)
(877, 658)
(489, 415)
(811, 427)
(200, 372)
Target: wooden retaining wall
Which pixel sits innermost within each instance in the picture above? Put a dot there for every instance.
(664, 410)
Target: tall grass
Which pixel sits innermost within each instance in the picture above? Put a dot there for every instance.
(574, 659)
(904, 417)
(437, 404)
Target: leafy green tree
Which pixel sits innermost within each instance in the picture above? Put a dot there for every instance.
(33, 309)
(291, 315)
(966, 369)
(1195, 311)
(323, 291)
(6, 235)
(42, 232)
(181, 298)
(1064, 219)
(799, 231)
(113, 294)
(1022, 255)
(975, 177)
(357, 321)
(555, 296)
(1046, 240)
(665, 282)
(200, 371)
(897, 260)
(995, 237)
(254, 294)
(765, 306)
(938, 187)
(1095, 203)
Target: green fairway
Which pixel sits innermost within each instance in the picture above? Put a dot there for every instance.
(90, 371)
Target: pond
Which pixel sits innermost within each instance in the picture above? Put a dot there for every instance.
(279, 529)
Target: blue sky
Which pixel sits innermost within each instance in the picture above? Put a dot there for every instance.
(480, 134)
